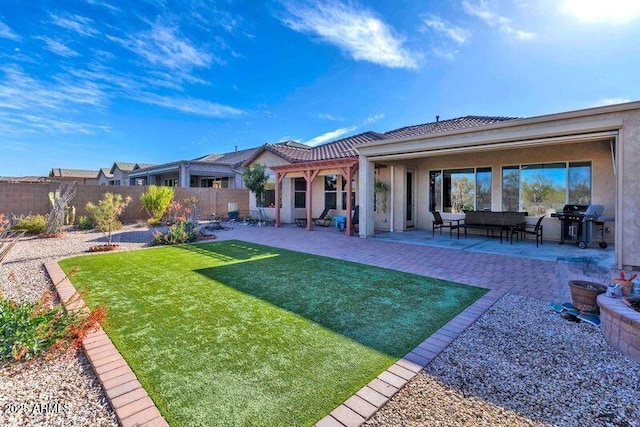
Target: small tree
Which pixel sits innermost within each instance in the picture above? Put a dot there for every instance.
(107, 213)
(156, 200)
(255, 177)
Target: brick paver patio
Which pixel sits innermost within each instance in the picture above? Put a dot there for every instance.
(501, 273)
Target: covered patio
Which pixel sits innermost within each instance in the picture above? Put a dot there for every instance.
(345, 167)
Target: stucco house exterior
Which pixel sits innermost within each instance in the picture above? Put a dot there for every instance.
(213, 170)
(534, 164)
(105, 177)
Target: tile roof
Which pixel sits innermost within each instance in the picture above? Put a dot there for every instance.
(444, 126)
(73, 173)
(295, 152)
(144, 165)
(124, 166)
(347, 147)
(234, 158)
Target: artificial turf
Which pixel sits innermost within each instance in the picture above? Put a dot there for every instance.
(233, 333)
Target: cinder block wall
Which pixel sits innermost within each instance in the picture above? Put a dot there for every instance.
(23, 199)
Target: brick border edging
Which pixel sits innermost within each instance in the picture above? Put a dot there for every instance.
(129, 400)
(369, 399)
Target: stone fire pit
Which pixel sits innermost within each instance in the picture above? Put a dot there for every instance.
(620, 325)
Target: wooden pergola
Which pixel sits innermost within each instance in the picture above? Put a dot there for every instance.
(309, 171)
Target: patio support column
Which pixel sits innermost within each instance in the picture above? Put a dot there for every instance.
(309, 176)
(279, 177)
(347, 173)
(366, 180)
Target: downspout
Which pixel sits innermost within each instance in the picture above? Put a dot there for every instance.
(392, 170)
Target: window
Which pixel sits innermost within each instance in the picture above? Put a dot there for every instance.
(170, 182)
(268, 199)
(579, 187)
(459, 190)
(214, 182)
(541, 189)
(344, 194)
(483, 189)
(299, 193)
(330, 192)
(511, 188)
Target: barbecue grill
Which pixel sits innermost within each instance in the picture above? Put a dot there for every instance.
(578, 221)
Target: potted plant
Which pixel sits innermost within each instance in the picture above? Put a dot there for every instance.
(585, 295)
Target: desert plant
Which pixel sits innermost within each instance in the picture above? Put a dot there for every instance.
(59, 201)
(184, 210)
(32, 224)
(255, 177)
(70, 215)
(182, 232)
(156, 201)
(106, 213)
(31, 329)
(85, 223)
(8, 239)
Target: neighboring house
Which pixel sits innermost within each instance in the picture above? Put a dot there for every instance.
(81, 176)
(120, 173)
(105, 177)
(214, 170)
(24, 179)
(535, 164)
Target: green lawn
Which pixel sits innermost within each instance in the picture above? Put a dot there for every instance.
(233, 333)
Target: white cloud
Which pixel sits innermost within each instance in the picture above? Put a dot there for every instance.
(19, 91)
(187, 105)
(456, 34)
(7, 33)
(610, 11)
(162, 45)
(58, 48)
(483, 9)
(354, 30)
(374, 118)
(75, 23)
(329, 136)
(330, 117)
(610, 101)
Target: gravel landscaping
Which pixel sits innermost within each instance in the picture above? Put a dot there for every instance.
(521, 364)
(62, 391)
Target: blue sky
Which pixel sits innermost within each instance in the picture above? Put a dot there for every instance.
(88, 82)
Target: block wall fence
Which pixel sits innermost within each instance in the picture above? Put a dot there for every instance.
(24, 199)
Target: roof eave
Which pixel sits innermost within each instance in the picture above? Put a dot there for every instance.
(594, 111)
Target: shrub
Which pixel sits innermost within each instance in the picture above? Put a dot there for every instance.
(31, 329)
(32, 224)
(183, 232)
(184, 210)
(106, 213)
(156, 201)
(85, 223)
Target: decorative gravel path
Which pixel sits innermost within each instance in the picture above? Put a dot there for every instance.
(519, 364)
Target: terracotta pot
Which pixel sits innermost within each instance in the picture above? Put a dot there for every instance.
(627, 286)
(585, 295)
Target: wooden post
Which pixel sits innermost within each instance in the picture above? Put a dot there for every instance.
(279, 177)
